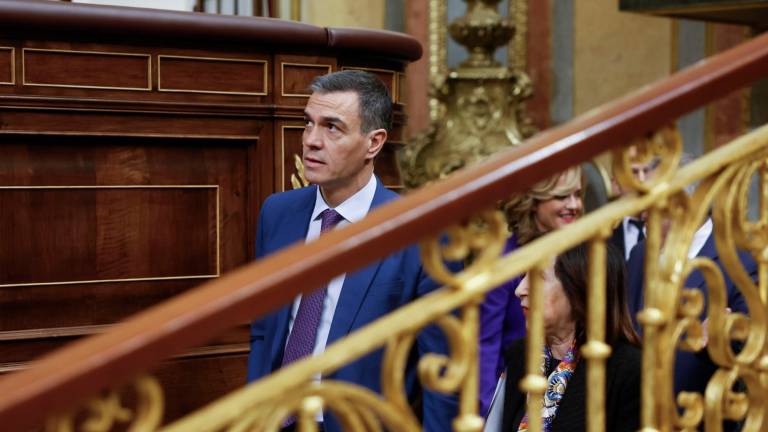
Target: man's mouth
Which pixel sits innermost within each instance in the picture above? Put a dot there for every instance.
(309, 161)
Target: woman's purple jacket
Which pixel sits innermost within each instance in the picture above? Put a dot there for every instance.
(501, 322)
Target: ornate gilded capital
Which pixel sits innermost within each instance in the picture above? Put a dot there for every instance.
(478, 105)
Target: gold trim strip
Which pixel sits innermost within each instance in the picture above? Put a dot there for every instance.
(264, 64)
(32, 84)
(13, 66)
(389, 71)
(282, 153)
(143, 279)
(306, 65)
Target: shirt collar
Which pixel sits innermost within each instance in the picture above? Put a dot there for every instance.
(354, 208)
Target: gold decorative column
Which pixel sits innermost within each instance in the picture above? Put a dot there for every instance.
(474, 108)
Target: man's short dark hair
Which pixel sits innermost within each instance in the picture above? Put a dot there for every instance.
(373, 96)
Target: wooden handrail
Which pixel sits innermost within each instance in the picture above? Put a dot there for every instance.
(63, 378)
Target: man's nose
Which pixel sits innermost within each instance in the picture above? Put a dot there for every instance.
(311, 137)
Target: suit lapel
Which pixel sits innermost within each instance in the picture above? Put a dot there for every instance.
(696, 279)
(294, 228)
(356, 285)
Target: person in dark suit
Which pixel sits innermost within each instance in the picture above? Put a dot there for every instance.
(631, 230)
(565, 298)
(692, 369)
(347, 118)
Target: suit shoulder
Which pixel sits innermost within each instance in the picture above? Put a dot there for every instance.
(281, 200)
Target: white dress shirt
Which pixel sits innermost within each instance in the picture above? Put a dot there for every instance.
(699, 238)
(631, 236)
(353, 210)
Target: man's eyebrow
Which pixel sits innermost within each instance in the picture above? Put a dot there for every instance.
(334, 120)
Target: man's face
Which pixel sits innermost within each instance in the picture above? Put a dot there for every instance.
(335, 150)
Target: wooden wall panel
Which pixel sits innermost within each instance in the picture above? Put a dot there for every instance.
(293, 75)
(7, 66)
(111, 232)
(86, 69)
(295, 78)
(212, 75)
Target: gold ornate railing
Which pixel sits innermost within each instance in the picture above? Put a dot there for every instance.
(723, 175)
(670, 318)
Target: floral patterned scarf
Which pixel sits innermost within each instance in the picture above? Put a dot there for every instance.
(556, 384)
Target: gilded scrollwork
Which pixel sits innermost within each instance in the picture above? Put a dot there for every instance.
(734, 341)
(481, 238)
(102, 414)
(662, 147)
(356, 409)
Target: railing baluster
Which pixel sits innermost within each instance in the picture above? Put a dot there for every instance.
(596, 351)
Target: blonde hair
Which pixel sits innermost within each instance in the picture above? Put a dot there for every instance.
(520, 209)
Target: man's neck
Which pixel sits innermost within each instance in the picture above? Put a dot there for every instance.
(334, 196)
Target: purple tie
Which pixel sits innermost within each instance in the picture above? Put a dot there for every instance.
(301, 340)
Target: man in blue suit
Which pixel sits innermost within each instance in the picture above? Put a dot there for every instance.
(347, 118)
(692, 370)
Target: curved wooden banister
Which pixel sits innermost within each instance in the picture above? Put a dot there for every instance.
(142, 342)
(75, 20)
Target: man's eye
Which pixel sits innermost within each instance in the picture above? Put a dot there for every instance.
(332, 127)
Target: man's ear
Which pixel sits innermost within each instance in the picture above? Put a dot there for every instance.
(376, 140)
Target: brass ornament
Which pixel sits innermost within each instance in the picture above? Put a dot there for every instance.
(106, 412)
(475, 109)
(298, 180)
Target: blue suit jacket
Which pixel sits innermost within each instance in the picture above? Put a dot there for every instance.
(692, 370)
(366, 295)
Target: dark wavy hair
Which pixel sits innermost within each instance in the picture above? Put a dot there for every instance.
(572, 269)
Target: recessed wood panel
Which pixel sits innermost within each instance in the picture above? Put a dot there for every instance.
(290, 147)
(110, 233)
(7, 66)
(212, 75)
(296, 77)
(389, 77)
(401, 88)
(86, 69)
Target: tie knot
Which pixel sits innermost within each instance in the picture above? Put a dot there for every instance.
(637, 223)
(330, 218)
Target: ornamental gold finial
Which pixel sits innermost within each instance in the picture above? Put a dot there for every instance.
(478, 104)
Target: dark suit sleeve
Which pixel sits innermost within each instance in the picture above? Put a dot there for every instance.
(439, 409)
(256, 355)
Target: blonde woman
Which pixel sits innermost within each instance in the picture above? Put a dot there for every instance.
(548, 205)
